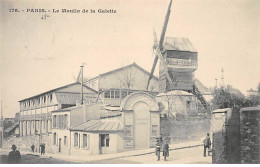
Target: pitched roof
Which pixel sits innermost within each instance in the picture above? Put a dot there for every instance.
(203, 89)
(179, 44)
(176, 93)
(125, 67)
(11, 127)
(97, 126)
(56, 89)
(108, 114)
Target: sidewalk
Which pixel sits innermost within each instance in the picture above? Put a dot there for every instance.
(89, 158)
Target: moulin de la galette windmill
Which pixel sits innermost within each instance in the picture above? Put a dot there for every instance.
(178, 61)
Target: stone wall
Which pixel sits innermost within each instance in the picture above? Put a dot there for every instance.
(185, 130)
(250, 129)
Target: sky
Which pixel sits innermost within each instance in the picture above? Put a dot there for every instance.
(37, 55)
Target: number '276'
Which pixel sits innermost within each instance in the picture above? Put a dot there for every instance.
(14, 10)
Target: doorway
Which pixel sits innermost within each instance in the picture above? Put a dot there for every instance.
(142, 125)
(104, 143)
(59, 145)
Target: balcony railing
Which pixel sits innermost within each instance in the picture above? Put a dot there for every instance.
(182, 63)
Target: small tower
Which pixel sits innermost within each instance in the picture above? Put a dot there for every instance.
(182, 60)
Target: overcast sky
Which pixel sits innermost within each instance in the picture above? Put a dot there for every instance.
(38, 55)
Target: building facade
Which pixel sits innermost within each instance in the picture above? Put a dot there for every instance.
(36, 112)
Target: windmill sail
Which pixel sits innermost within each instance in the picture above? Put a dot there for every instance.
(160, 43)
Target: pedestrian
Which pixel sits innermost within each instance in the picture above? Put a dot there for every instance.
(166, 150)
(33, 147)
(206, 143)
(43, 149)
(14, 156)
(161, 141)
(157, 149)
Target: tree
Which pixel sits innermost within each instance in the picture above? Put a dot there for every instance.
(127, 79)
(229, 97)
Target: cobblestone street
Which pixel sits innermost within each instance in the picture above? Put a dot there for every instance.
(181, 156)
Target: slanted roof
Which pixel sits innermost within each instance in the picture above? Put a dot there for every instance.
(176, 93)
(224, 110)
(125, 67)
(68, 109)
(56, 89)
(108, 114)
(11, 127)
(248, 109)
(98, 126)
(179, 44)
(203, 89)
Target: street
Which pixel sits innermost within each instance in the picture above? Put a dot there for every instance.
(182, 156)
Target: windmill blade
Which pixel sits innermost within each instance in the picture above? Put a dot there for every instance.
(164, 65)
(165, 26)
(160, 43)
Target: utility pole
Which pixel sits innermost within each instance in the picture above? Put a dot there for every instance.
(222, 76)
(82, 83)
(2, 117)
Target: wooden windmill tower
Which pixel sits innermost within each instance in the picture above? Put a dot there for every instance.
(178, 61)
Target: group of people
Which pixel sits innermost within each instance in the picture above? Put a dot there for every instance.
(164, 147)
(161, 146)
(14, 156)
(42, 148)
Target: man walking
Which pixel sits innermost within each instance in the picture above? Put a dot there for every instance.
(33, 147)
(157, 149)
(207, 144)
(165, 150)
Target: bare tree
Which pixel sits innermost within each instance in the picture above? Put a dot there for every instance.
(127, 79)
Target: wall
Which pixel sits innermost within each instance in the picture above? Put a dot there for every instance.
(24, 143)
(178, 104)
(179, 131)
(250, 136)
(137, 75)
(76, 116)
(91, 111)
(60, 133)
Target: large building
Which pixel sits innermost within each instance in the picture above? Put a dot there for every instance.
(115, 85)
(117, 114)
(35, 112)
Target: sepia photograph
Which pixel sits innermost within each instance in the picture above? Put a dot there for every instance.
(130, 82)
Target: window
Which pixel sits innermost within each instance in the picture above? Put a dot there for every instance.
(104, 140)
(107, 94)
(154, 130)
(85, 140)
(54, 139)
(50, 97)
(43, 122)
(65, 121)
(76, 138)
(128, 130)
(116, 94)
(54, 121)
(124, 94)
(65, 140)
(112, 94)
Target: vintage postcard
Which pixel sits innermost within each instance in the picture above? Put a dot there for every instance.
(130, 82)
